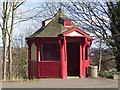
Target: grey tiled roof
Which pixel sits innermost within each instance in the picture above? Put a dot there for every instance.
(54, 28)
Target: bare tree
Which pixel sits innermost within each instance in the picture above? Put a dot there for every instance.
(100, 55)
(4, 36)
(20, 54)
(11, 18)
(98, 18)
(14, 6)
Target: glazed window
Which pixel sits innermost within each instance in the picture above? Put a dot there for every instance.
(50, 52)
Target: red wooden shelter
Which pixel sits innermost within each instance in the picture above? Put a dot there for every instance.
(59, 49)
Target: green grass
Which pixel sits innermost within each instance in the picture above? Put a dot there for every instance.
(20, 80)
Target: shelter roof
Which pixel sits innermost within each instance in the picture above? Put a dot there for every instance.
(54, 28)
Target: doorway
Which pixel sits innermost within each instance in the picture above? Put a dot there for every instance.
(73, 59)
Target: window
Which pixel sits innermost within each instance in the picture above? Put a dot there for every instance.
(50, 52)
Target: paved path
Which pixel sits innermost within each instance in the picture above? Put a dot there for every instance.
(64, 83)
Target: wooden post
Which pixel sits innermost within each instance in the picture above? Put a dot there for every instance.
(38, 57)
(63, 58)
(84, 54)
(29, 58)
(81, 61)
(84, 75)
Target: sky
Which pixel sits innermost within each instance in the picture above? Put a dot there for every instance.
(22, 27)
(32, 25)
(65, 0)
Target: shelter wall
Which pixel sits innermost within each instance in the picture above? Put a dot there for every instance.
(33, 73)
(49, 69)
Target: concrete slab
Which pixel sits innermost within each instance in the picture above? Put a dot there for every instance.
(70, 77)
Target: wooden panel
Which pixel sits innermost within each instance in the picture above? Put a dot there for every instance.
(49, 69)
(33, 69)
(86, 63)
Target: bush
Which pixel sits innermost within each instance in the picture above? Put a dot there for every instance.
(107, 74)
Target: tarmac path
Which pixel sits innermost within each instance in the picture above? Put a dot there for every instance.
(64, 83)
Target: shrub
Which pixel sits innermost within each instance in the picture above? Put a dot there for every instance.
(107, 74)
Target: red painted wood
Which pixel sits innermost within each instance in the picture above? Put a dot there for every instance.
(29, 70)
(38, 53)
(33, 69)
(63, 58)
(81, 53)
(67, 24)
(29, 58)
(81, 61)
(75, 36)
(38, 58)
(58, 69)
(88, 53)
(62, 55)
(65, 48)
(44, 39)
(86, 63)
(78, 30)
(84, 73)
(49, 69)
(81, 70)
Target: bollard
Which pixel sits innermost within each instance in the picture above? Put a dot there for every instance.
(93, 71)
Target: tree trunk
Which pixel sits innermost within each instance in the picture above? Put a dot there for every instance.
(10, 42)
(100, 56)
(4, 59)
(10, 58)
(4, 38)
